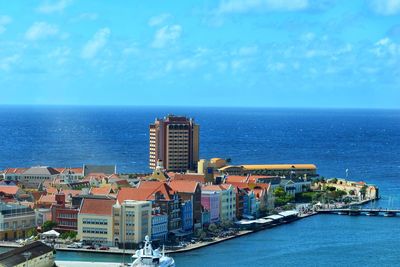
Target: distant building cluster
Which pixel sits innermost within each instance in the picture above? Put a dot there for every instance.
(181, 195)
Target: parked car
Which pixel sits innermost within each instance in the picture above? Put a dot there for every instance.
(91, 247)
(104, 248)
(75, 245)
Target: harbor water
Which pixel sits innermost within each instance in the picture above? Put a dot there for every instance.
(367, 142)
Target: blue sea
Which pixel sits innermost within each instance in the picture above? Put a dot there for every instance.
(367, 142)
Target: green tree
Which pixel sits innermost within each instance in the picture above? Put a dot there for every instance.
(225, 224)
(282, 197)
(48, 225)
(334, 180)
(70, 235)
(31, 232)
(201, 234)
(213, 228)
(363, 191)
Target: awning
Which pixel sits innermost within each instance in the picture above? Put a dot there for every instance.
(244, 222)
(51, 233)
(288, 213)
(274, 217)
(263, 221)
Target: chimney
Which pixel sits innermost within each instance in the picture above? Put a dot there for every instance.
(60, 198)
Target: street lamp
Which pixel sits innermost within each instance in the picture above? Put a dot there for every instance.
(27, 255)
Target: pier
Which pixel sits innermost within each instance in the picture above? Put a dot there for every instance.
(362, 211)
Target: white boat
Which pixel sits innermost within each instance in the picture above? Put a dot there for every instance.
(149, 257)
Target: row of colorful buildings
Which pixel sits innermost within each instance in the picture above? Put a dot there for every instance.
(106, 208)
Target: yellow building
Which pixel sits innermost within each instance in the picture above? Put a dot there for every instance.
(204, 167)
(159, 172)
(15, 221)
(95, 221)
(271, 169)
(132, 222)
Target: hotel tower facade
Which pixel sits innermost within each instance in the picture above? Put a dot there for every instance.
(174, 140)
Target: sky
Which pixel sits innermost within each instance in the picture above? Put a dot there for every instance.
(240, 53)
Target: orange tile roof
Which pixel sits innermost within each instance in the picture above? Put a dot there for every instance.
(97, 176)
(97, 206)
(183, 186)
(51, 190)
(253, 178)
(135, 194)
(221, 187)
(9, 189)
(236, 179)
(106, 190)
(71, 192)
(36, 195)
(28, 204)
(48, 199)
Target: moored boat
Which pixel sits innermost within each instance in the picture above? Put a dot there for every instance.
(149, 257)
(389, 214)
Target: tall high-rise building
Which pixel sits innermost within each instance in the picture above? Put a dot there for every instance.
(174, 140)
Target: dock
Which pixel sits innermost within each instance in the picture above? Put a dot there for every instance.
(362, 211)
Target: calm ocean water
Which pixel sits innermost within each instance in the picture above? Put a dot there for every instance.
(367, 142)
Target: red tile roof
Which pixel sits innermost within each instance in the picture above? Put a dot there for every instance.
(187, 176)
(120, 182)
(15, 170)
(147, 190)
(72, 170)
(97, 206)
(36, 195)
(183, 186)
(253, 178)
(9, 189)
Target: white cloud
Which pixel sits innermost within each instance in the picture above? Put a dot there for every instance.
(60, 54)
(52, 7)
(132, 49)
(85, 16)
(385, 7)
(93, 46)
(308, 37)
(41, 30)
(4, 21)
(7, 62)
(386, 46)
(242, 6)
(247, 50)
(167, 35)
(277, 66)
(158, 20)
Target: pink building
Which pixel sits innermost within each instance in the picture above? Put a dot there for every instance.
(210, 202)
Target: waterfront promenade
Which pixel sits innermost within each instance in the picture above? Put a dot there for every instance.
(86, 263)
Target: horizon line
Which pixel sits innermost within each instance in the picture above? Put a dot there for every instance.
(198, 106)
